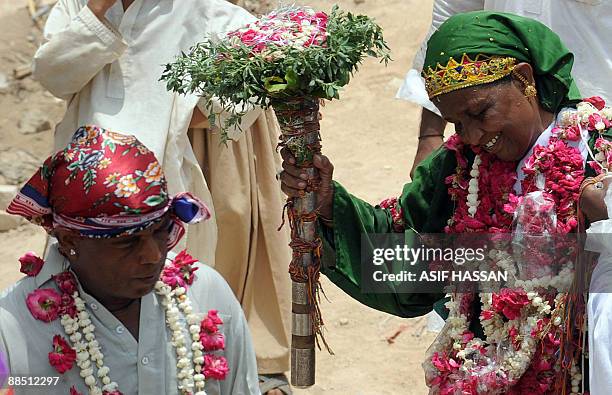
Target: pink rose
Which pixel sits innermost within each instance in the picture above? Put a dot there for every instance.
(573, 133)
(215, 367)
(67, 306)
(212, 341)
(63, 356)
(248, 36)
(597, 122)
(171, 275)
(213, 315)
(454, 143)
(31, 264)
(510, 302)
(486, 315)
(321, 16)
(440, 362)
(66, 282)
(466, 337)
(596, 101)
(513, 333)
(209, 324)
(180, 273)
(44, 304)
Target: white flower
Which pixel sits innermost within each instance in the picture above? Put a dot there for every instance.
(103, 371)
(182, 362)
(90, 380)
(86, 372)
(110, 387)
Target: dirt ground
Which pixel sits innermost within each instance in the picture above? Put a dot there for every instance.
(369, 136)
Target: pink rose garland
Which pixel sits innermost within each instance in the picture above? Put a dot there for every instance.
(303, 28)
(563, 170)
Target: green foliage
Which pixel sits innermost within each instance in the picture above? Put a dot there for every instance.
(233, 75)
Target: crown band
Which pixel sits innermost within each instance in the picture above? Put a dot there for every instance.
(469, 72)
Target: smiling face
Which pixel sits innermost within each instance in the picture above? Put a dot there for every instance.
(122, 267)
(497, 116)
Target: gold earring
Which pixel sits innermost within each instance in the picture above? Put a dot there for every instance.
(530, 89)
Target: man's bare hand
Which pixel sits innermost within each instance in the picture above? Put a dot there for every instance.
(99, 7)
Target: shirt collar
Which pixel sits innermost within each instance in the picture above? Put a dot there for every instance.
(55, 263)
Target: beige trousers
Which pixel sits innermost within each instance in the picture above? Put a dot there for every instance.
(252, 255)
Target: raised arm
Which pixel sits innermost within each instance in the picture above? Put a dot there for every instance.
(79, 42)
(431, 130)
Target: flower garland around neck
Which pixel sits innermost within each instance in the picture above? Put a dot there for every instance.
(195, 354)
(522, 323)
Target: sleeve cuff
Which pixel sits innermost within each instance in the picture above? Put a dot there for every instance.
(104, 31)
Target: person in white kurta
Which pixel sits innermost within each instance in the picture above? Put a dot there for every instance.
(599, 306)
(583, 25)
(108, 70)
(143, 367)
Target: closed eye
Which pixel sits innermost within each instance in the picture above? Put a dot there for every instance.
(481, 113)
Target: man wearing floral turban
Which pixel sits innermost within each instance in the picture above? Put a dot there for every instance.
(110, 310)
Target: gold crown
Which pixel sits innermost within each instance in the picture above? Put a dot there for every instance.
(469, 72)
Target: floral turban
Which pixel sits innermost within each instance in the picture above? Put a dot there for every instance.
(104, 184)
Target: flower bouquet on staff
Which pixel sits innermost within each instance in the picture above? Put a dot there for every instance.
(289, 59)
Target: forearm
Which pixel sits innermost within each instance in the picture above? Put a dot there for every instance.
(432, 125)
(77, 48)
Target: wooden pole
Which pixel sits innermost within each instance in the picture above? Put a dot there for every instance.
(299, 122)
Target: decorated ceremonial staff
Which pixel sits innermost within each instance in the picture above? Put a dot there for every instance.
(289, 59)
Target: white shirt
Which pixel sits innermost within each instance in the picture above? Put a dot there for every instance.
(143, 367)
(109, 75)
(583, 25)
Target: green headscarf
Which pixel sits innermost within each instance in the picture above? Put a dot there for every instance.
(503, 34)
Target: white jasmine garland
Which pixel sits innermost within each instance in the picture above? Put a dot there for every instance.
(88, 353)
(472, 197)
(81, 333)
(189, 360)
